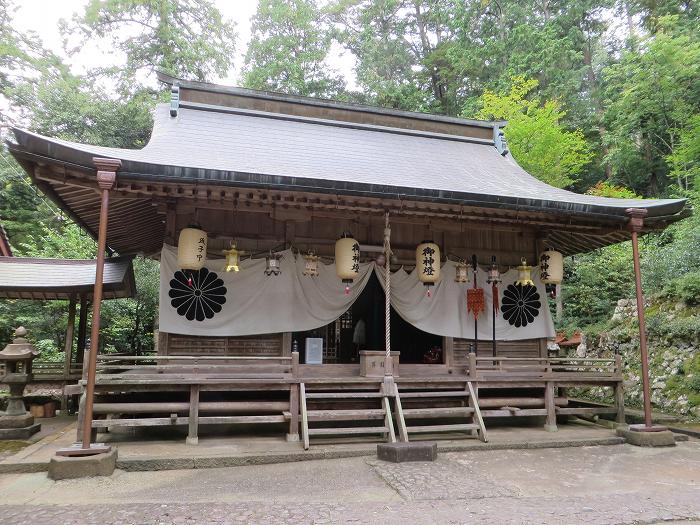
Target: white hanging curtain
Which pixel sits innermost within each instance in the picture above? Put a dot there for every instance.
(445, 312)
(253, 303)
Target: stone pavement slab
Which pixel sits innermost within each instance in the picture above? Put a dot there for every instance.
(143, 452)
(600, 485)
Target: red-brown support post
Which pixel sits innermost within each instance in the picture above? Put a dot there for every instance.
(635, 225)
(106, 177)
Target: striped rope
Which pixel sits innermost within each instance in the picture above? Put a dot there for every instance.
(387, 281)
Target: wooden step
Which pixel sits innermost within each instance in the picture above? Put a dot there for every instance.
(443, 428)
(345, 415)
(343, 395)
(438, 393)
(347, 430)
(437, 412)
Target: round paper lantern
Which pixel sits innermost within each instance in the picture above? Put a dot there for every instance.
(551, 267)
(347, 258)
(524, 276)
(192, 248)
(428, 262)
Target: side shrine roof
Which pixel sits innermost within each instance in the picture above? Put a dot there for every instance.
(224, 136)
(33, 278)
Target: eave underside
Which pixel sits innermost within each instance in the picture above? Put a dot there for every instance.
(145, 213)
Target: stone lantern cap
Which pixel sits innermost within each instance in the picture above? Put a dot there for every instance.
(19, 349)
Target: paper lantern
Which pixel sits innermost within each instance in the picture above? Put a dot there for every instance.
(192, 248)
(551, 267)
(524, 276)
(233, 257)
(428, 262)
(347, 258)
(272, 264)
(310, 265)
(461, 272)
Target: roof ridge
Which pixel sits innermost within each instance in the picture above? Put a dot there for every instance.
(324, 102)
(199, 106)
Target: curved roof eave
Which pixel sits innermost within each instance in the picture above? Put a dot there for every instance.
(134, 167)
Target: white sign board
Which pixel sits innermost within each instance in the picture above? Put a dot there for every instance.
(314, 351)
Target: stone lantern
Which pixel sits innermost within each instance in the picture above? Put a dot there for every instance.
(16, 422)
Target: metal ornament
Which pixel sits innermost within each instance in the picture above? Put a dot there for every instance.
(233, 259)
(311, 265)
(272, 264)
(524, 275)
(494, 277)
(461, 272)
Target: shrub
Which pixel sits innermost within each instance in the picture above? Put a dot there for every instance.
(686, 288)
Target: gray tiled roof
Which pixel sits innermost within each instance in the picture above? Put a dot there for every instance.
(233, 146)
(33, 278)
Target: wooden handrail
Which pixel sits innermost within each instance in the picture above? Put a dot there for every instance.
(192, 358)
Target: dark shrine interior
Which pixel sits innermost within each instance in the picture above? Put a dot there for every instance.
(413, 343)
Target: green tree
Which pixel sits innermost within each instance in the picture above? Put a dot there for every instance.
(288, 50)
(186, 38)
(653, 95)
(535, 136)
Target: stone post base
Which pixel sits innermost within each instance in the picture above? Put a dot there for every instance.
(71, 467)
(402, 452)
(18, 427)
(657, 438)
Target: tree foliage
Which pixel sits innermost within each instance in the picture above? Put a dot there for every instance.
(535, 135)
(185, 38)
(601, 96)
(288, 50)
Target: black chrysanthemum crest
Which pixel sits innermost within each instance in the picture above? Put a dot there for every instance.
(199, 300)
(520, 304)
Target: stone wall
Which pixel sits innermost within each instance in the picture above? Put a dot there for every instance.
(674, 355)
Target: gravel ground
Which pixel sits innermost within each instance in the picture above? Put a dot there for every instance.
(603, 485)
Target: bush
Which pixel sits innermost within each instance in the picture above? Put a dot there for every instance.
(686, 288)
(48, 350)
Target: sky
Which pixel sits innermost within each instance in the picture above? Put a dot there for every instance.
(42, 16)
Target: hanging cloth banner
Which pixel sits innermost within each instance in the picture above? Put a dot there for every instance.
(248, 302)
(445, 313)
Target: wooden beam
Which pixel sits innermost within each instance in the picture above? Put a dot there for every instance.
(68, 347)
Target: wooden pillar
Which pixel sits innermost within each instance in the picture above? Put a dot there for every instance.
(193, 423)
(636, 222)
(448, 349)
(286, 343)
(473, 376)
(293, 434)
(549, 403)
(68, 347)
(559, 301)
(82, 329)
(106, 177)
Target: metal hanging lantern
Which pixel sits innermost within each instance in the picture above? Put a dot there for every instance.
(428, 263)
(192, 248)
(494, 276)
(347, 259)
(310, 265)
(551, 267)
(461, 272)
(233, 257)
(272, 264)
(524, 275)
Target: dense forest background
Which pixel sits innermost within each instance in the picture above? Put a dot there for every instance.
(601, 96)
